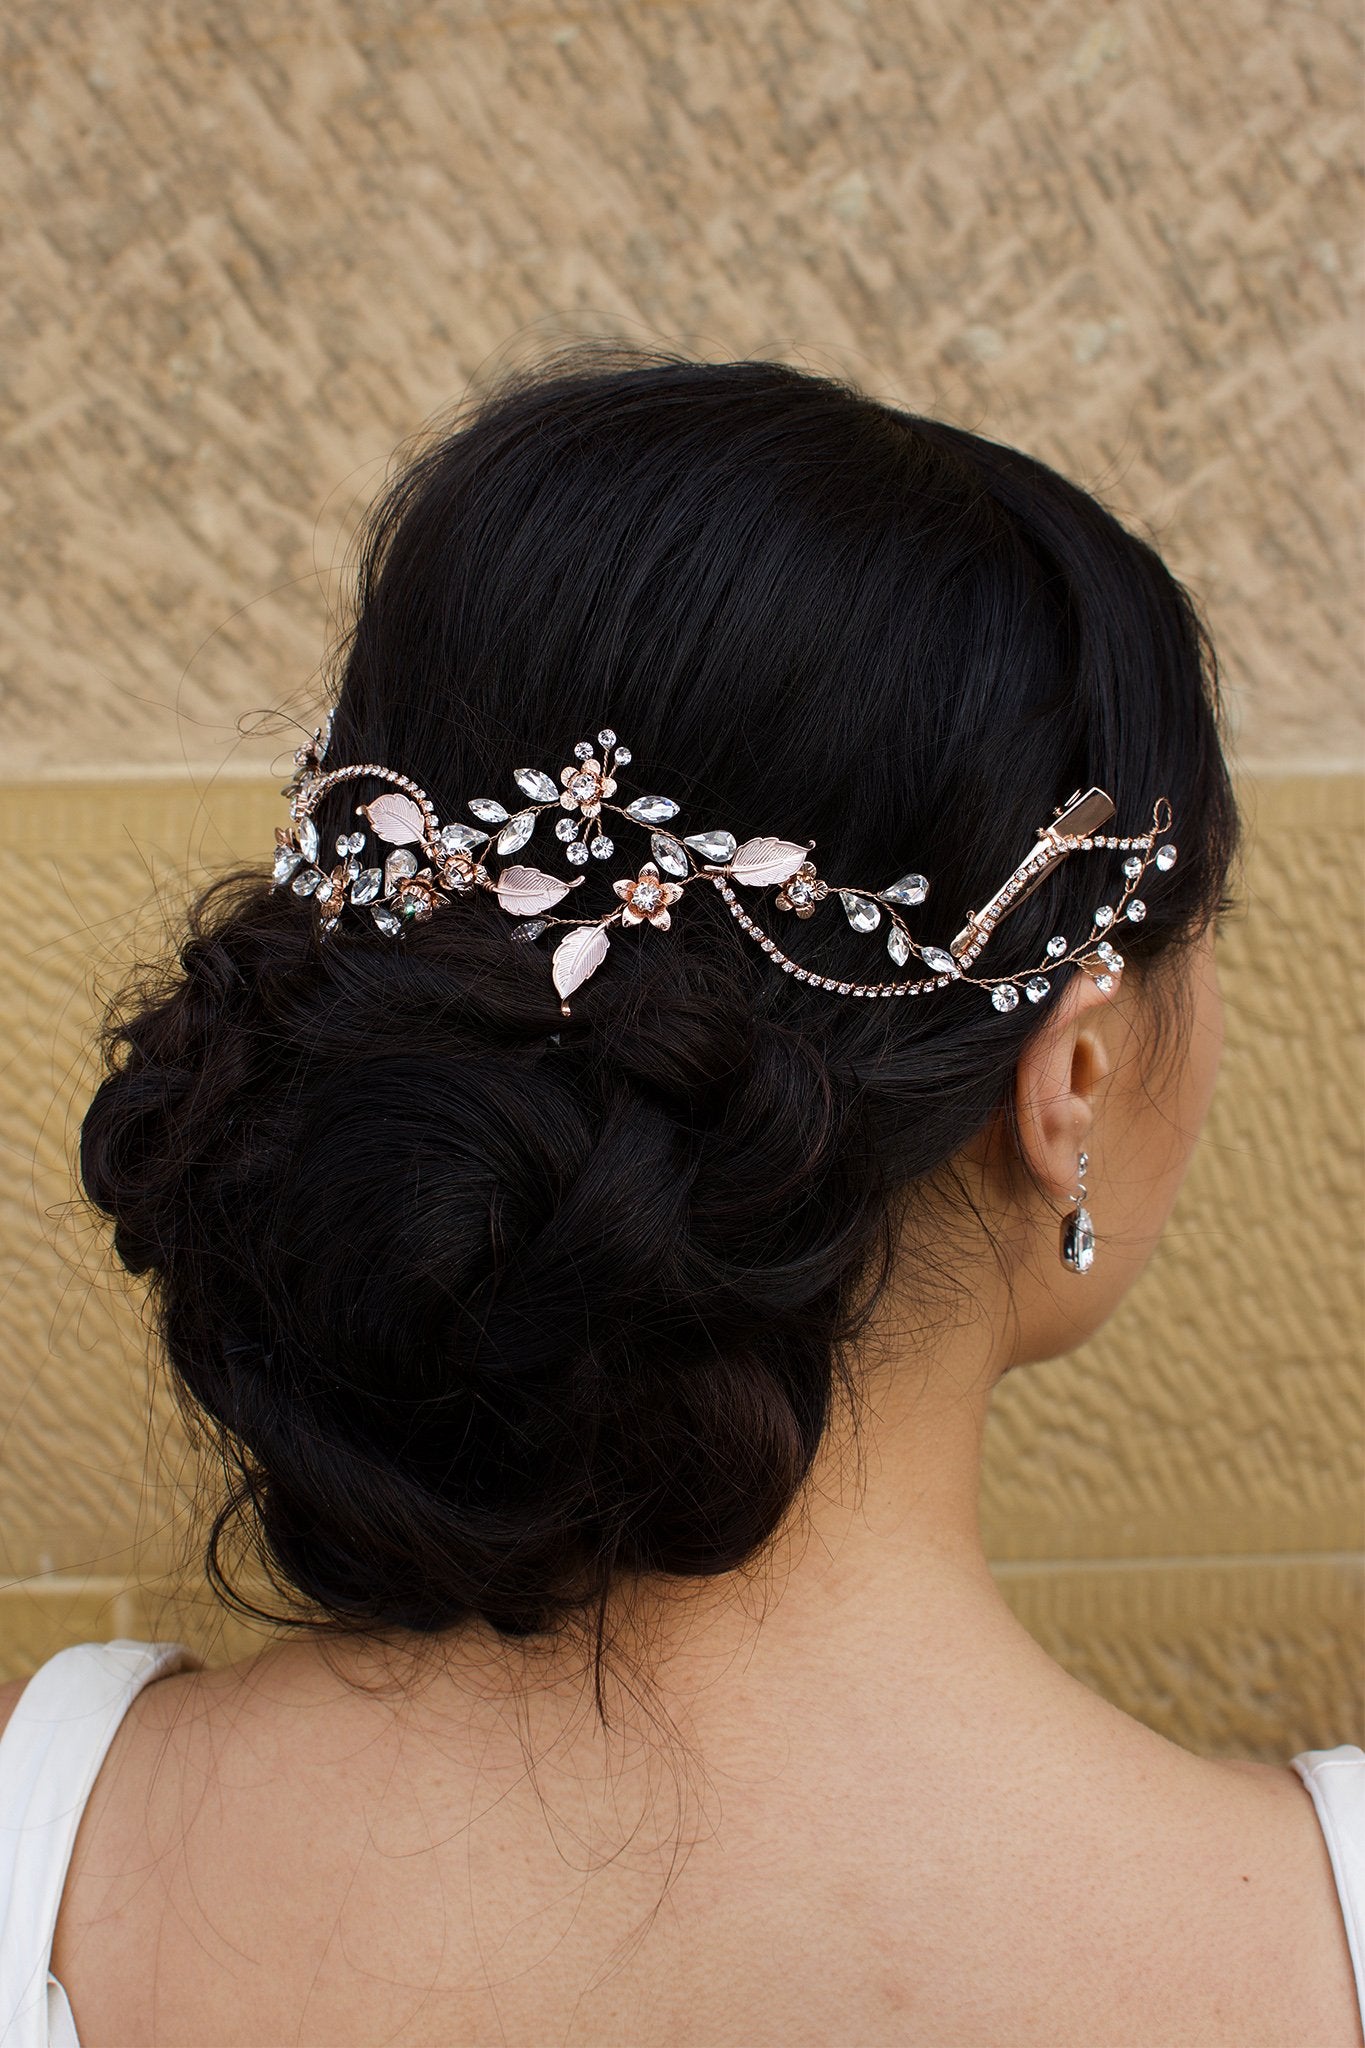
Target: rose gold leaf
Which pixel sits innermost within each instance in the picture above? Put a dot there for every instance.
(767, 860)
(577, 956)
(395, 818)
(523, 891)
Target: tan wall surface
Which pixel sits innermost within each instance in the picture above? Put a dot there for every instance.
(252, 249)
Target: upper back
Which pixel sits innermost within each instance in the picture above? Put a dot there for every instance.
(267, 1858)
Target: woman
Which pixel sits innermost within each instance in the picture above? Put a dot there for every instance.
(596, 1297)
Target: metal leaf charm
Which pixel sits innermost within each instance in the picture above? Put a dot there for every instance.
(516, 832)
(861, 912)
(489, 809)
(537, 784)
(767, 860)
(523, 891)
(395, 818)
(668, 853)
(577, 956)
(651, 810)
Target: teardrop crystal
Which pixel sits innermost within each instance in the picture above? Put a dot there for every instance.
(390, 925)
(516, 832)
(651, 810)
(366, 886)
(307, 836)
(668, 853)
(909, 889)
(939, 961)
(897, 945)
(1078, 1240)
(862, 913)
(536, 784)
(460, 838)
(401, 863)
(715, 848)
(286, 860)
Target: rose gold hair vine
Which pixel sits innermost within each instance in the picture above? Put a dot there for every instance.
(429, 865)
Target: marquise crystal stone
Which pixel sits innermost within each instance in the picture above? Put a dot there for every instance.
(401, 863)
(532, 929)
(307, 836)
(1005, 996)
(366, 885)
(305, 881)
(714, 847)
(909, 889)
(385, 919)
(1056, 947)
(460, 838)
(941, 962)
(897, 945)
(1136, 910)
(516, 832)
(668, 853)
(1165, 857)
(489, 809)
(286, 860)
(536, 784)
(861, 912)
(651, 810)
(1036, 987)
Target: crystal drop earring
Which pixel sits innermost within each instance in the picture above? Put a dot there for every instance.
(1078, 1232)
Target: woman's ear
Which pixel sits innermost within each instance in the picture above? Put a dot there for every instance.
(1059, 1081)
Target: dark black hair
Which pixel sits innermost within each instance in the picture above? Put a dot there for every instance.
(482, 1322)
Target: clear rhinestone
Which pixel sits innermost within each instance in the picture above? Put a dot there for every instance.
(1036, 987)
(1136, 910)
(401, 863)
(1105, 914)
(1005, 996)
(325, 890)
(1104, 982)
(286, 860)
(566, 828)
(1132, 867)
(602, 847)
(799, 892)
(583, 751)
(909, 889)
(584, 786)
(606, 738)
(307, 836)
(941, 962)
(897, 945)
(714, 847)
(1115, 963)
(1078, 1240)
(344, 844)
(366, 886)
(668, 853)
(652, 810)
(622, 756)
(861, 912)
(385, 919)
(1056, 947)
(461, 838)
(646, 895)
(305, 881)
(536, 784)
(489, 809)
(1165, 857)
(531, 930)
(516, 832)
(1105, 951)
(577, 853)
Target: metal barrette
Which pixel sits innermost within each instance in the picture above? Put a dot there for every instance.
(425, 865)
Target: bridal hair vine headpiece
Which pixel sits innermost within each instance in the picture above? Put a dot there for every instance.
(428, 865)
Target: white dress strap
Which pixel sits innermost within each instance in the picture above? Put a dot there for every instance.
(1336, 1780)
(50, 1754)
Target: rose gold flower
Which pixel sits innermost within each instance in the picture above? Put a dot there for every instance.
(417, 896)
(802, 891)
(585, 785)
(647, 898)
(460, 871)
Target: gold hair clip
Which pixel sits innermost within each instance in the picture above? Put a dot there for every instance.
(429, 865)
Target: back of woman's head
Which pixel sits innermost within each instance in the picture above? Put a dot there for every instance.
(488, 1307)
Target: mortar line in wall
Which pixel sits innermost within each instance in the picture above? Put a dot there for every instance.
(1018, 1567)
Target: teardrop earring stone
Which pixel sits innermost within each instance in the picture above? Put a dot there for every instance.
(1078, 1240)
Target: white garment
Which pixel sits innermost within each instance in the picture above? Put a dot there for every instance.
(69, 1712)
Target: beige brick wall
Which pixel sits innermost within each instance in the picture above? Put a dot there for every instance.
(252, 249)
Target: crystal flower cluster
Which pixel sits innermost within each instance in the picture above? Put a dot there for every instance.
(420, 866)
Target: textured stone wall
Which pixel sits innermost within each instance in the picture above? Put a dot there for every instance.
(251, 250)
